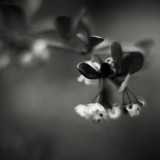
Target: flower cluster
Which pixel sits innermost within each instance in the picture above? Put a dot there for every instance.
(97, 113)
(118, 69)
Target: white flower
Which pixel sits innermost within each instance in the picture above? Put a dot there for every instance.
(133, 109)
(81, 110)
(115, 112)
(141, 102)
(94, 65)
(86, 81)
(40, 49)
(27, 58)
(94, 111)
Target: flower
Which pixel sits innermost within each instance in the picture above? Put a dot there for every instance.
(133, 109)
(80, 110)
(141, 101)
(115, 112)
(94, 111)
(86, 81)
(94, 65)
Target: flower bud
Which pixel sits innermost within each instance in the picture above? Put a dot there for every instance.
(133, 109)
(141, 101)
(115, 111)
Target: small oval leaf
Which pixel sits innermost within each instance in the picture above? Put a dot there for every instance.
(13, 17)
(87, 71)
(131, 63)
(116, 51)
(145, 44)
(64, 26)
(94, 41)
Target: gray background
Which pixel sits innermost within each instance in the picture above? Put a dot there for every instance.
(37, 118)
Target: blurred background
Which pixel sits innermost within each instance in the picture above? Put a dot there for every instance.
(37, 118)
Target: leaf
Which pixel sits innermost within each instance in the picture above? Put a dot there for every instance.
(31, 7)
(131, 63)
(105, 69)
(116, 51)
(77, 19)
(87, 71)
(13, 17)
(85, 27)
(64, 26)
(94, 41)
(145, 44)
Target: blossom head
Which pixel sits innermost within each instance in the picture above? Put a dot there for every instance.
(93, 111)
(115, 111)
(141, 101)
(86, 81)
(133, 109)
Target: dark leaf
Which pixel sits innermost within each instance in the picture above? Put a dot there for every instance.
(145, 44)
(116, 51)
(131, 63)
(87, 71)
(64, 26)
(94, 41)
(105, 69)
(12, 17)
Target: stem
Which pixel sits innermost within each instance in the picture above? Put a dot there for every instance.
(123, 103)
(128, 96)
(96, 96)
(132, 93)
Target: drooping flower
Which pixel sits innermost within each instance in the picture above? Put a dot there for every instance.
(141, 101)
(115, 111)
(80, 110)
(93, 111)
(86, 81)
(89, 82)
(133, 109)
(118, 69)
